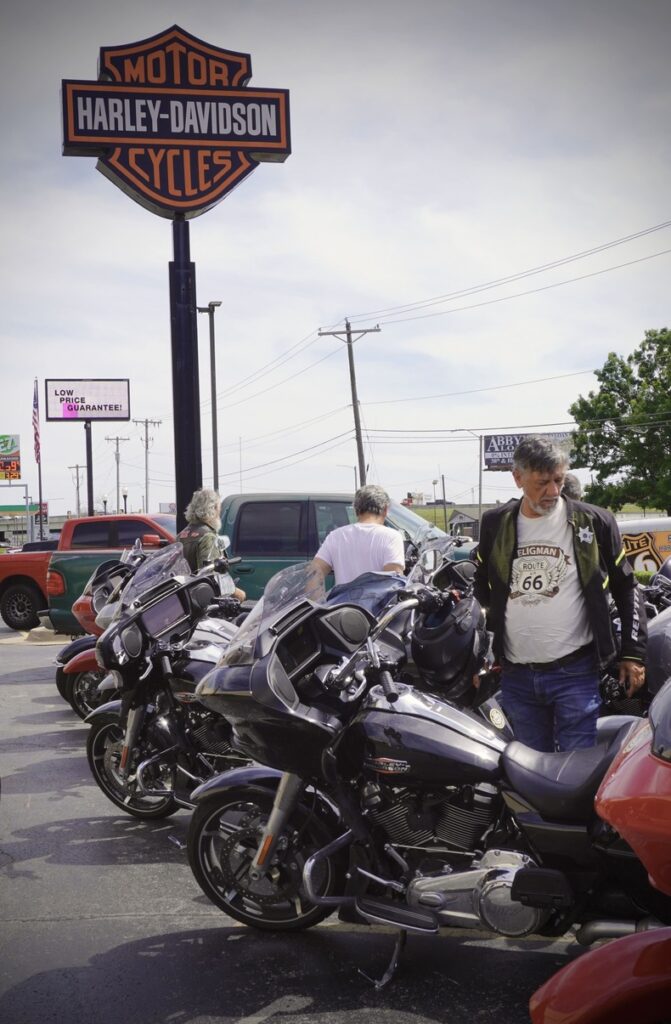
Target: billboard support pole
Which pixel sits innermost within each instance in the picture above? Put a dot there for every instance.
(89, 467)
(185, 389)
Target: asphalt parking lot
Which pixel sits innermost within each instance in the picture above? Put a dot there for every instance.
(102, 920)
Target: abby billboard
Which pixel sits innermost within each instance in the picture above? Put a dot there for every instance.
(499, 448)
(83, 399)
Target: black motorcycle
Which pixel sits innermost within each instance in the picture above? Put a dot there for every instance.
(148, 749)
(391, 804)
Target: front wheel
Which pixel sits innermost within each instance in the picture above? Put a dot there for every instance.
(224, 835)
(103, 749)
(81, 692)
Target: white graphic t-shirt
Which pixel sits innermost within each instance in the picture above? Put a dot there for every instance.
(546, 614)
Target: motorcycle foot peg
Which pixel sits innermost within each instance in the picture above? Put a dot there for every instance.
(381, 911)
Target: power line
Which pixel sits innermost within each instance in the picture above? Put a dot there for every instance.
(473, 289)
(263, 371)
(231, 405)
(529, 291)
(477, 391)
(262, 465)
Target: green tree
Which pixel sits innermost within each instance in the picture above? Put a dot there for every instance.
(624, 429)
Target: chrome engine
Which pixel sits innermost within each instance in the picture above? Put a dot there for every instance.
(454, 823)
(479, 897)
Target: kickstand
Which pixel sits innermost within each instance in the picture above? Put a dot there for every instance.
(393, 963)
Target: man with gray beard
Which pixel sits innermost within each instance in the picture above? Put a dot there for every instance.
(547, 565)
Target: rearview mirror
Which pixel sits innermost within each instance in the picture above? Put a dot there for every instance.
(152, 540)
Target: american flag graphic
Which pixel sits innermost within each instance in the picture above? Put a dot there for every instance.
(36, 423)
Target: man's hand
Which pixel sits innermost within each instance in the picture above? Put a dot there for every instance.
(633, 674)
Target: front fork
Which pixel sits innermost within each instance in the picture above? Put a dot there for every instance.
(133, 723)
(286, 798)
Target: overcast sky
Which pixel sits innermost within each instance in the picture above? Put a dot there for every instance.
(437, 146)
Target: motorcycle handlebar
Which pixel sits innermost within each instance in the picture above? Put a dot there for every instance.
(387, 684)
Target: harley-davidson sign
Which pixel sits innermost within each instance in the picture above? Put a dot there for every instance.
(173, 122)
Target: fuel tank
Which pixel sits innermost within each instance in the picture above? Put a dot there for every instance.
(420, 739)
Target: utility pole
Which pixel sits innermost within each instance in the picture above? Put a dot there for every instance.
(117, 507)
(146, 439)
(355, 401)
(77, 468)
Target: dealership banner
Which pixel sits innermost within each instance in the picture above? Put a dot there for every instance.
(68, 400)
(499, 448)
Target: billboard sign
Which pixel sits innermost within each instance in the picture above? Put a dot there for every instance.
(10, 457)
(499, 448)
(173, 122)
(77, 399)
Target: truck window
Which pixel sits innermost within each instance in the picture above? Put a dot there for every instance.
(130, 530)
(332, 514)
(270, 528)
(91, 535)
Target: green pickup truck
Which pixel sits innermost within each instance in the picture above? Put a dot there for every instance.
(271, 531)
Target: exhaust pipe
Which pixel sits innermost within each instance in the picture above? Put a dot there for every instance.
(595, 931)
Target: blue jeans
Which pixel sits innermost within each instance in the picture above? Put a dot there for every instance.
(554, 709)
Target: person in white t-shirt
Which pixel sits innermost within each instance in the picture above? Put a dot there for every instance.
(365, 546)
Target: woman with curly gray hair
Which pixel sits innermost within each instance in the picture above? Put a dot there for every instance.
(200, 536)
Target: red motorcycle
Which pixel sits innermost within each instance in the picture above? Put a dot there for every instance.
(628, 980)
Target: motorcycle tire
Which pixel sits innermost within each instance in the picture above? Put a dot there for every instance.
(223, 838)
(81, 692)
(61, 682)
(103, 750)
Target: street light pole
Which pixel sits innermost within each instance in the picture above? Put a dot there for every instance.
(124, 495)
(209, 309)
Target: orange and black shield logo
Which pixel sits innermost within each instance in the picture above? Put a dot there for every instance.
(174, 123)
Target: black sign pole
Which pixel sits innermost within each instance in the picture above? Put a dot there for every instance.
(89, 466)
(185, 389)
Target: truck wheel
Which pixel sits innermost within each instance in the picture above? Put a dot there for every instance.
(19, 605)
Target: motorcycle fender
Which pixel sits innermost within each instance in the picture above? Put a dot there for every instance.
(112, 709)
(253, 774)
(258, 775)
(85, 661)
(82, 643)
(623, 981)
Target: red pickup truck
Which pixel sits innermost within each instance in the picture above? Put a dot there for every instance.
(23, 574)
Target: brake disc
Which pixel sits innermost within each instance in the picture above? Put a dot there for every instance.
(243, 884)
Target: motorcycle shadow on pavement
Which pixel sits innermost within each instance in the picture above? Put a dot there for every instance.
(232, 974)
(62, 740)
(109, 840)
(24, 676)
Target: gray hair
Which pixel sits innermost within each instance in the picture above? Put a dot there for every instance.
(572, 487)
(539, 455)
(371, 498)
(204, 507)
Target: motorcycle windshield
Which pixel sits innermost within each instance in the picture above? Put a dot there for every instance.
(418, 530)
(287, 587)
(161, 566)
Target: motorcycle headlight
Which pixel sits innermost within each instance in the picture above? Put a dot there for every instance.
(131, 638)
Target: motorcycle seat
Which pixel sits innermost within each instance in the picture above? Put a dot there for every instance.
(562, 786)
